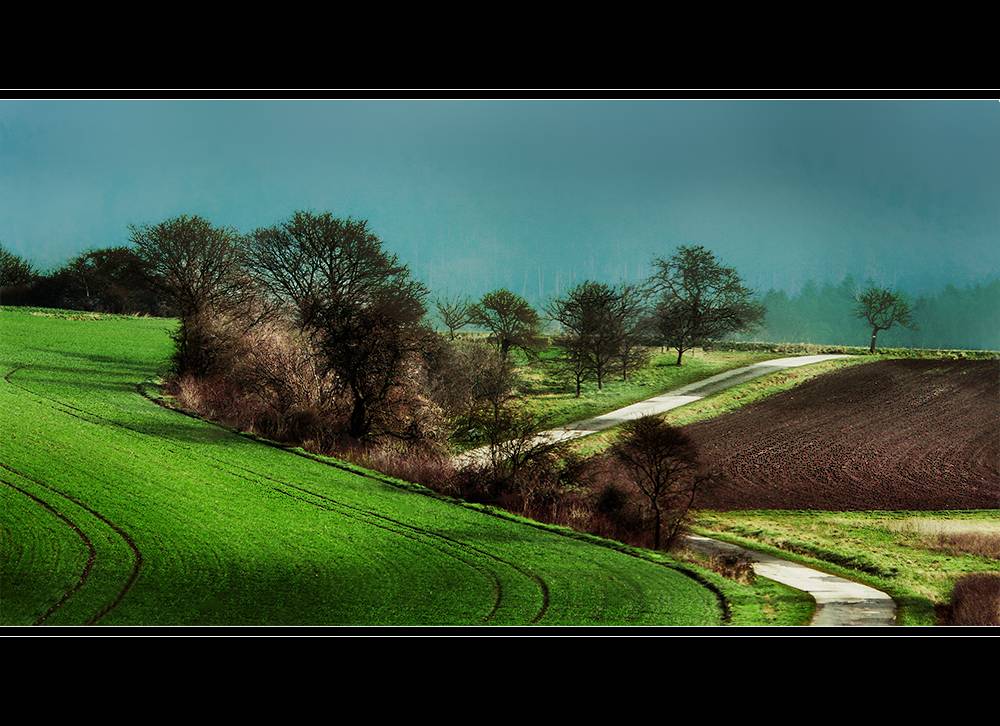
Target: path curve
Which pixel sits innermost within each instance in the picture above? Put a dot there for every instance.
(839, 601)
(661, 403)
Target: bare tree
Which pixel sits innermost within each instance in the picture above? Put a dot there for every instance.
(454, 313)
(198, 268)
(573, 362)
(662, 463)
(588, 316)
(632, 319)
(699, 300)
(883, 309)
(511, 320)
(600, 324)
(356, 301)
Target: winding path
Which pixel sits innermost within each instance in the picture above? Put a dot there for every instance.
(838, 601)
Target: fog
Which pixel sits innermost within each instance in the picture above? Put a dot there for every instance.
(534, 196)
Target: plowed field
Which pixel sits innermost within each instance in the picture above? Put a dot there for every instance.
(901, 434)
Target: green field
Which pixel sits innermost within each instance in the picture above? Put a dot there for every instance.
(913, 556)
(118, 511)
(546, 393)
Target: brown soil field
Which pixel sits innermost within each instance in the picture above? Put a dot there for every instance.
(901, 434)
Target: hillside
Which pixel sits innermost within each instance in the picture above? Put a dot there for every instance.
(117, 511)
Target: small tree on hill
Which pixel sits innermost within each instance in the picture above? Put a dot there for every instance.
(454, 313)
(662, 462)
(511, 320)
(700, 300)
(198, 268)
(882, 309)
(600, 325)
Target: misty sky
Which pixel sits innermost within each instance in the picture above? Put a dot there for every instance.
(532, 195)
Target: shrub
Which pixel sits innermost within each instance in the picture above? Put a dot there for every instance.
(975, 600)
(734, 566)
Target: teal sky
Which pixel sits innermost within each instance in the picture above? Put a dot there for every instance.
(532, 195)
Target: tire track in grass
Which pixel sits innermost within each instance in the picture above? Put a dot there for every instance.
(497, 585)
(91, 550)
(136, 554)
(82, 414)
(539, 582)
(336, 507)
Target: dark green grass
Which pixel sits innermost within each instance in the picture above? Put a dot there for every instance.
(193, 524)
(892, 551)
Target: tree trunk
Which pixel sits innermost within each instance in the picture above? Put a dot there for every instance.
(600, 378)
(358, 426)
(680, 354)
(577, 385)
(871, 350)
(656, 532)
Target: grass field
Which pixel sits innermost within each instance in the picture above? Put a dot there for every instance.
(914, 556)
(549, 395)
(118, 511)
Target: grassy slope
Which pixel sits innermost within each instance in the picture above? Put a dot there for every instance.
(146, 516)
(883, 549)
(547, 394)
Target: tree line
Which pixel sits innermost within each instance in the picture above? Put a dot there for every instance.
(954, 317)
(310, 332)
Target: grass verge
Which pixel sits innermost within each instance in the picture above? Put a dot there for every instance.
(912, 556)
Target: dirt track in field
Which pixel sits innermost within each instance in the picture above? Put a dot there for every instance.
(904, 434)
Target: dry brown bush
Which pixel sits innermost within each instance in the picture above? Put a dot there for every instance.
(982, 544)
(734, 566)
(976, 600)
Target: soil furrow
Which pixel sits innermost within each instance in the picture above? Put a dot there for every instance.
(91, 551)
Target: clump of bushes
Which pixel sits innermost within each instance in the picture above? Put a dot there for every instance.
(734, 565)
(975, 600)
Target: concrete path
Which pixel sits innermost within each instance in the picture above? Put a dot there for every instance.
(838, 601)
(662, 403)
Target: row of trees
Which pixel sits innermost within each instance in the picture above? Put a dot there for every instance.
(689, 300)
(110, 280)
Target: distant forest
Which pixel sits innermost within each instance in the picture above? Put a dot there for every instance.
(965, 317)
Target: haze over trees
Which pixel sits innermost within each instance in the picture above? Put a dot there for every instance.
(953, 317)
(699, 300)
(882, 308)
